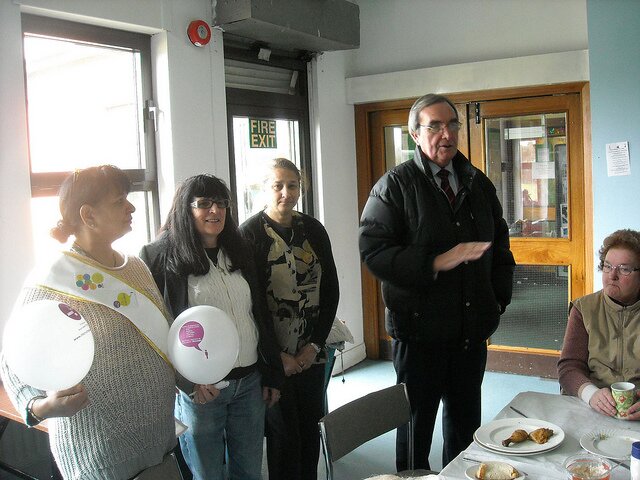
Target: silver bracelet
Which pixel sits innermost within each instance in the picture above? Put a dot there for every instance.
(30, 411)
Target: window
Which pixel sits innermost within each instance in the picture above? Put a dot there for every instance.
(87, 89)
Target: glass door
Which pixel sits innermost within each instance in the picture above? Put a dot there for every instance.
(531, 151)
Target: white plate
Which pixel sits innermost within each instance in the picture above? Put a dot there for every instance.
(471, 472)
(512, 453)
(491, 435)
(613, 444)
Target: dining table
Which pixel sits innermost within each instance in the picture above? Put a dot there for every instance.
(575, 418)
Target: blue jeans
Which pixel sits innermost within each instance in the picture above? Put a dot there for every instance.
(238, 413)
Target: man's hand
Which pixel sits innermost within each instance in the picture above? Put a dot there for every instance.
(463, 252)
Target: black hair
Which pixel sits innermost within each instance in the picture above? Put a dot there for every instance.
(185, 252)
(86, 187)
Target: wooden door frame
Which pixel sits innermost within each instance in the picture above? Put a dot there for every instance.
(368, 174)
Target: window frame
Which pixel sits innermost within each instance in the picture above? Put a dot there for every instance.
(47, 184)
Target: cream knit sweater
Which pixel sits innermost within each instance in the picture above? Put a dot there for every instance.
(129, 423)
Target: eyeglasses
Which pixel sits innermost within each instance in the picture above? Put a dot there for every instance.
(624, 270)
(437, 127)
(208, 203)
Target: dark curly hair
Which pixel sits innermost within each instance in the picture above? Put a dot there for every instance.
(86, 187)
(626, 238)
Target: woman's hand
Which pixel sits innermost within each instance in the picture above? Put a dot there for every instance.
(204, 393)
(306, 356)
(61, 403)
(270, 396)
(602, 402)
(634, 412)
(290, 364)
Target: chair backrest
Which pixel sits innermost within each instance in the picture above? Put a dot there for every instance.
(363, 419)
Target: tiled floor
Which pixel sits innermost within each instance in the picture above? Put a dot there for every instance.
(29, 448)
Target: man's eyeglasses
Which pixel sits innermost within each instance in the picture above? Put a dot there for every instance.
(624, 270)
(208, 203)
(437, 127)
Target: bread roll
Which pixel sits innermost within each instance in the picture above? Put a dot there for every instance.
(496, 471)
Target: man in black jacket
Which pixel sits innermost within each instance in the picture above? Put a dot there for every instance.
(432, 231)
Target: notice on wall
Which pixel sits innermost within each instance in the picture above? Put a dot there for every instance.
(262, 133)
(618, 159)
(543, 170)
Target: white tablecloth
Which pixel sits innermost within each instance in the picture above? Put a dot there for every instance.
(570, 413)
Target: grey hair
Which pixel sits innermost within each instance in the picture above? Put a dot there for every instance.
(422, 103)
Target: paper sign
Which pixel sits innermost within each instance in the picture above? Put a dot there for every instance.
(618, 159)
(543, 170)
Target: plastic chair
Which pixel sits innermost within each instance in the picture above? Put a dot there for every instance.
(351, 425)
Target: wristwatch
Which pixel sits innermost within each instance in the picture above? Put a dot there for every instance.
(315, 347)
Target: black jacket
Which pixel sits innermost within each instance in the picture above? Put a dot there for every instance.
(174, 290)
(253, 232)
(406, 222)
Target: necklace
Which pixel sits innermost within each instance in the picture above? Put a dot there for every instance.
(78, 249)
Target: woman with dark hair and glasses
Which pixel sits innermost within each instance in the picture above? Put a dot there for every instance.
(201, 259)
(119, 420)
(601, 341)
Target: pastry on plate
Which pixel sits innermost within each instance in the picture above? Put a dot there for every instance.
(496, 471)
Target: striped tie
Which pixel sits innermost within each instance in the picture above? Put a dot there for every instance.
(445, 186)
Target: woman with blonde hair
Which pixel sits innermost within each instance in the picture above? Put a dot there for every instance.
(296, 269)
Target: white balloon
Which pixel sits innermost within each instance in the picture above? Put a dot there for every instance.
(203, 344)
(48, 345)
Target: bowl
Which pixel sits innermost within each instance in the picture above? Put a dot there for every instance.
(584, 466)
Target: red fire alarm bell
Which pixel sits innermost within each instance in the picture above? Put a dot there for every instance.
(199, 33)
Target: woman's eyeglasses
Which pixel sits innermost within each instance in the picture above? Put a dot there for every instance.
(208, 203)
(624, 270)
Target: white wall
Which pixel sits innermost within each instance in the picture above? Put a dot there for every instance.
(16, 249)
(402, 35)
(332, 121)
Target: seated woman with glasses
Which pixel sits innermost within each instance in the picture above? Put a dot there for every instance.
(600, 343)
(201, 259)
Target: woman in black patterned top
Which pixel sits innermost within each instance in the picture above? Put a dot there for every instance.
(296, 269)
